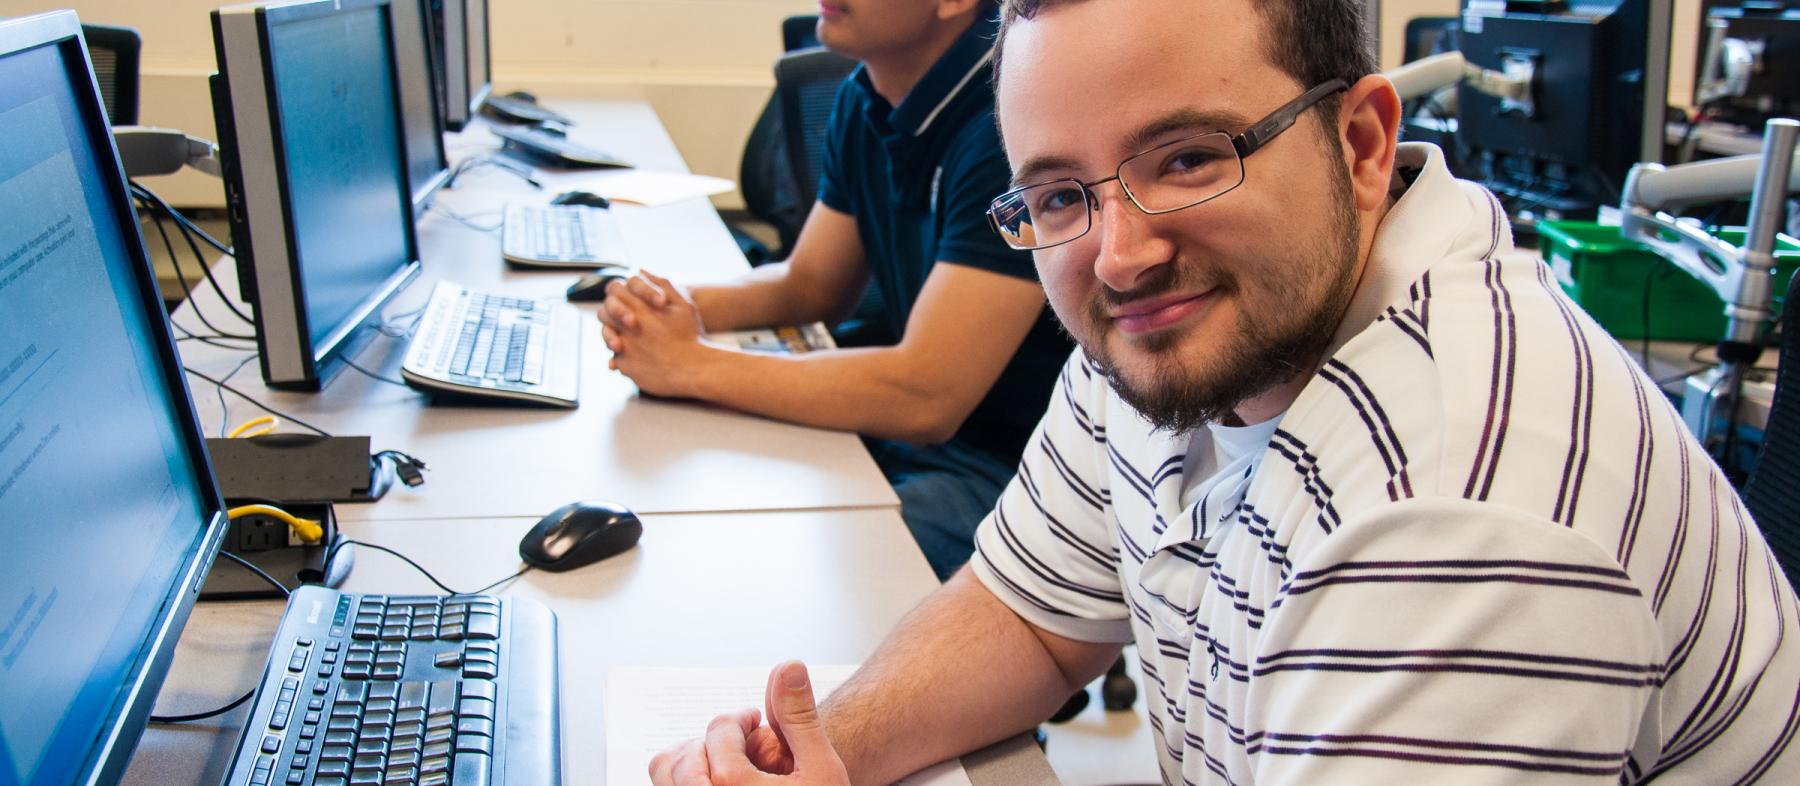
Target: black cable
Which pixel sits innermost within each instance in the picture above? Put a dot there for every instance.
(187, 292)
(332, 552)
(260, 573)
(224, 409)
(204, 715)
(372, 375)
(195, 248)
(207, 238)
(264, 575)
(461, 219)
(259, 404)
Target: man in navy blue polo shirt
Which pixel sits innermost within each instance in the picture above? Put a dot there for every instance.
(913, 159)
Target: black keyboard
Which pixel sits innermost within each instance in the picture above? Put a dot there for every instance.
(433, 690)
(552, 149)
(519, 110)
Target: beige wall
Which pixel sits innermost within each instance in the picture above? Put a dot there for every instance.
(703, 64)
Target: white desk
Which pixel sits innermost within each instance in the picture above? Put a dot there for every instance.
(652, 455)
(723, 589)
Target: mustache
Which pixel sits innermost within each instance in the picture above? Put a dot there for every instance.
(1163, 280)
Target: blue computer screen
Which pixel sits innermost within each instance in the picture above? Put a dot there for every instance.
(100, 506)
(346, 178)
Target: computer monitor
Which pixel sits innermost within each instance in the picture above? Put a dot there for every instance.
(1758, 54)
(310, 138)
(427, 167)
(107, 503)
(1599, 79)
(461, 34)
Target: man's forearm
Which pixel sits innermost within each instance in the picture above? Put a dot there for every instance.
(866, 390)
(962, 671)
(764, 297)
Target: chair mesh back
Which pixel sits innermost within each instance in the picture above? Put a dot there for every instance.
(807, 83)
(1773, 493)
(114, 51)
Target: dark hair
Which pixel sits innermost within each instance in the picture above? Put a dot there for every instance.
(1314, 41)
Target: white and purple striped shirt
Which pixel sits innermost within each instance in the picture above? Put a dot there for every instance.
(1480, 547)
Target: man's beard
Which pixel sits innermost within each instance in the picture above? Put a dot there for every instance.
(1279, 337)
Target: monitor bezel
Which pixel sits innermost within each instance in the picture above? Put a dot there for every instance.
(315, 363)
(416, 13)
(112, 750)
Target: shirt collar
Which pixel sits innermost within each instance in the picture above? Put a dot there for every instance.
(1435, 219)
(962, 67)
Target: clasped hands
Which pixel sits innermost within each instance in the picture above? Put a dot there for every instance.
(655, 334)
(791, 750)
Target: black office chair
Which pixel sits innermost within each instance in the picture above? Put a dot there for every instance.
(114, 51)
(766, 176)
(1773, 493)
(806, 84)
(799, 32)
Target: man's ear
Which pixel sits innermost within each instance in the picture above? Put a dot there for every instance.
(1369, 126)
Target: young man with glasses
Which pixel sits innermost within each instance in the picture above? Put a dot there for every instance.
(1376, 501)
(911, 160)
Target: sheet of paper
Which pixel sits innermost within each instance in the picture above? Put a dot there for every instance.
(651, 709)
(655, 188)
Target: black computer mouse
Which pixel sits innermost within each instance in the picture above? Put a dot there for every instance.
(591, 288)
(585, 198)
(580, 533)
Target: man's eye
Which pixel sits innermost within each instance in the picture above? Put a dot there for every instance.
(1188, 160)
(1057, 199)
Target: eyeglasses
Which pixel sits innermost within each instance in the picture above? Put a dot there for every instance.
(1169, 177)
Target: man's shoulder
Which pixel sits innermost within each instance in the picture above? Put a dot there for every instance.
(1486, 382)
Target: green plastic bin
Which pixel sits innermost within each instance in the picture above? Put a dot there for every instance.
(1608, 275)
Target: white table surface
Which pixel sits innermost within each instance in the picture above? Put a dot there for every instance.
(652, 455)
(701, 590)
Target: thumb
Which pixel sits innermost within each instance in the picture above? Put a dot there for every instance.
(795, 715)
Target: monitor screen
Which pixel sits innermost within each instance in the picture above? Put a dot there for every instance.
(348, 195)
(98, 542)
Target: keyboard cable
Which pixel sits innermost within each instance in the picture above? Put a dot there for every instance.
(239, 701)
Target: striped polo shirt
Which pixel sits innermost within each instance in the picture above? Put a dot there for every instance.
(1479, 547)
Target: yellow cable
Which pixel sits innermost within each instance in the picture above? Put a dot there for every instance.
(266, 420)
(308, 529)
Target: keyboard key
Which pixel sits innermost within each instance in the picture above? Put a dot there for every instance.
(474, 743)
(309, 731)
(480, 689)
(484, 626)
(480, 670)
(412, 696)
(476, 726)
(384, 690)
(337, 738)
(365, 778)
(352, 693)
(476, 708)
(367, 761)
(333, 767)
(271, 743)
(470, 769)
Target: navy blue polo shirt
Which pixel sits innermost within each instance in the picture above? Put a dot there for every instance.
(918, 178)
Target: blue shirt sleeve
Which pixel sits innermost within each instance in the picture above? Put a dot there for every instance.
(974, 172)
(834, 179)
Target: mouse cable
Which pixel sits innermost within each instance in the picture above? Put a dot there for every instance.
(259, 405)
(205, 268)
(331, 552)
(264, 575)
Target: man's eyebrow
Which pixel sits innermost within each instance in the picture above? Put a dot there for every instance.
(1193, 120)
(1147, 135)
(1032, 171)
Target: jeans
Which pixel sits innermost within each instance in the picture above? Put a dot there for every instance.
(945, 491)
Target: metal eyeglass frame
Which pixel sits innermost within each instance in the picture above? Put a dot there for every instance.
(1253, 139)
